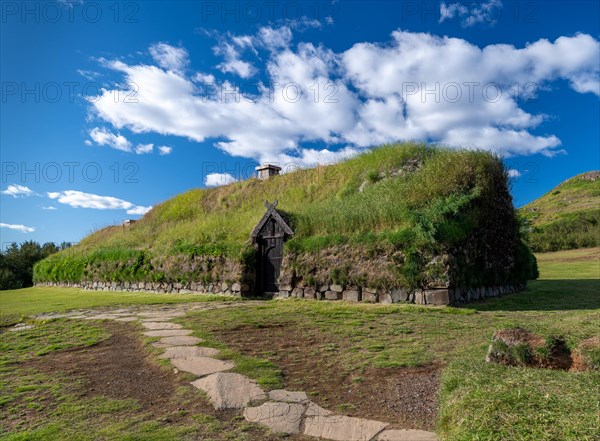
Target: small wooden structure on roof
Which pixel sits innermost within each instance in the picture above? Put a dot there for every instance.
(267, 170)
(269, 235)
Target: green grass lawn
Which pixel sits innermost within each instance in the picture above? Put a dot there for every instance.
(579, 264)
(36, 300)
(478, 401)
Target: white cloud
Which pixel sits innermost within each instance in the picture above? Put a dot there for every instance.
(368, 95)
(204, 78)
(169, 57)
(474, 13)
(303, 23)
(307, 158)
(218, 179)
(144, 148)
(103, 137)
(17, 227)
(88, 74)
(480, 119)
(275, 38)
(50, 207)
(138, 209)
(513, 173)
(79, 199)
(232, 60)
(165, 150)
(16, 190)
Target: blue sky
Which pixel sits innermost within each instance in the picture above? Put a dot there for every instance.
(109, 108)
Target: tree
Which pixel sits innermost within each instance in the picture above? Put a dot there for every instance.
(16, 262)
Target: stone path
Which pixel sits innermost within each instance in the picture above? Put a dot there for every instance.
(282, 411)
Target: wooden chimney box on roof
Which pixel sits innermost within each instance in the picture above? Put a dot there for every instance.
(267, 170)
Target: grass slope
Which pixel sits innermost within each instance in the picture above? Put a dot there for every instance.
(567, 217)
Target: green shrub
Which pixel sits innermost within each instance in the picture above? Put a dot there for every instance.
(572, 230)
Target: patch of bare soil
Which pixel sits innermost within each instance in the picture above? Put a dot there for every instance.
(580, 360)
(121, 368)
(405, 397)
(519, 347)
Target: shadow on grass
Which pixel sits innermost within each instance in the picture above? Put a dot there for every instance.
(546, 295)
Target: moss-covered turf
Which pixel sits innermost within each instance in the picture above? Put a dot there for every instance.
(415, 199)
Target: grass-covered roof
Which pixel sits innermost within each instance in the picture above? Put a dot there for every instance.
(407, 195)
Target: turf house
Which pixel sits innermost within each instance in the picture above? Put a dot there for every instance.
(400, 223)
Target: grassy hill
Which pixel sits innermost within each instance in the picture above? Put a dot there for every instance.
(413, 199)
(567, 217)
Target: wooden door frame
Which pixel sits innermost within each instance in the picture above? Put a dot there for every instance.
(263, 259)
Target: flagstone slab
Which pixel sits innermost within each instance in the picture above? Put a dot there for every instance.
(407, 435)
(21, 327)
(227, 390)
(188, 352)
(156, 319)
(201, 366)
(277, 416)
(161, 314)
(102, 317)
(179, 340)
(314, 410)
(168, 333)
(161, 325)
(342, 428)
(126, 319)
(287, 396)
(50, 316)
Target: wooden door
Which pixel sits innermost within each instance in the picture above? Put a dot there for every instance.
(270, 255)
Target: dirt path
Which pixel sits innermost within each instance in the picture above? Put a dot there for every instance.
(406, 397)
(120, 368)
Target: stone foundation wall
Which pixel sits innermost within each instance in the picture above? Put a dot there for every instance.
(446, 296)
(233, 289)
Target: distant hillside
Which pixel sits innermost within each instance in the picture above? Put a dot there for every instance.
(567, 217)
(388, 217)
